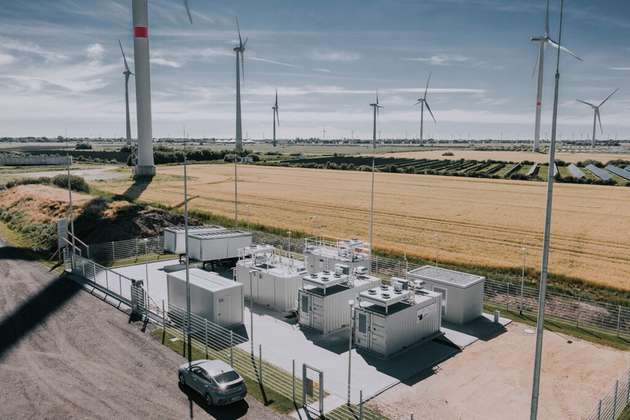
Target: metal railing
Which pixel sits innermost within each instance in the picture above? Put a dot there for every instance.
(108, 252)
(614, 402)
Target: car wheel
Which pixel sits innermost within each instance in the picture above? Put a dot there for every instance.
(209, 400)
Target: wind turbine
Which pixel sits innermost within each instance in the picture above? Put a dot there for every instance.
(423, 102)
(240, 67)
(276, 117)
(376, 110)
(596, 114)
(127, 74)
(544, 41)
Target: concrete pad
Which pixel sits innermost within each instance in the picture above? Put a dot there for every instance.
(483, 328)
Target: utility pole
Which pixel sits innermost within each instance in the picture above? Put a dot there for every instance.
(540, 324)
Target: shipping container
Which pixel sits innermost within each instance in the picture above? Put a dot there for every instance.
(388, 320)
(212, 296)
(174, 237)
(323, 300)
(322, 255)
(275, 279)
(462, 293)
(218, 245)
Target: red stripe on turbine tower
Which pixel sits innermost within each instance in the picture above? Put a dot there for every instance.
(141, 32)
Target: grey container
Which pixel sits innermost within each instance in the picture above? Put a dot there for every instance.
(213, 297)
(218, 245)
(387, 331)
(174, 237)
(462, 293)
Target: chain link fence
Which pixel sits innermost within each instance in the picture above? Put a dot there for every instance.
(614, 402)
(108, 252)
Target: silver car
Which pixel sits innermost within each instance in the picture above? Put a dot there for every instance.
(214, 380)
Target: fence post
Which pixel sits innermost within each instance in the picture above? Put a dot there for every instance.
(107, 279)
(618, 319)
(260, 363)
(507, 302)
(163, 322)
(293, 381)
(183, 337)
(113, 251)
(231, 348)
(205, 336)
(361, 404)
(628, 388)
(120, 285)
(615, 401)
(577, 321)
(599, 410)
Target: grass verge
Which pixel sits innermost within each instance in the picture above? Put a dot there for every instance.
(20, 241)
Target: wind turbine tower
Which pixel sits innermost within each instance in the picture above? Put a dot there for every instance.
(596, 115)
(276, 117)
(240, 66)
(376, 110)
(543, 41)
(423, 102)
(140, 12)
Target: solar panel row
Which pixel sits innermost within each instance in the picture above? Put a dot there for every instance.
(599, 172)
(625, 174)
(575, 171)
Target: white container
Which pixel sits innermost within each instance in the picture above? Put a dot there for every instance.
(390, 329)
(275, 280)
(213, 297)
(218, 245)
(320, 255)
(174, 237)
(325, 308)
(462, 293)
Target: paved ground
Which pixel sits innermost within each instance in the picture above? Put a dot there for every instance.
(65, 354)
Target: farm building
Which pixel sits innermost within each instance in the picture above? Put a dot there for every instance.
(273, 279)
(462, 293)
(321, 255)
(212, 296)
(324, 298)
(389, 319)
(218, 245)
(174, 237)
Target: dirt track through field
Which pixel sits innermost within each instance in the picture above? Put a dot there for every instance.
(65, 354)
(463, 220)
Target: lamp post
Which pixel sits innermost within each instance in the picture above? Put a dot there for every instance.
(351, 304)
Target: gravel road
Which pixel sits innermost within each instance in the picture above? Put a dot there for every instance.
(65, 354)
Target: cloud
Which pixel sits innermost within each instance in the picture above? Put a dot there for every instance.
(322, 70)
(619, 68)
(160, 61)
(279, 63)
(339, 90)
(334, 56)
(440, 59)
(29, 48)
(95, 52)
(6, 59)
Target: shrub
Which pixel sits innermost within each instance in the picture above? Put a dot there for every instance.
(448, 154)
(83, 146)
(76, 183)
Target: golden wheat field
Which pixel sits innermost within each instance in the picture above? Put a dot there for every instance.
(513, 156)
(464, 220)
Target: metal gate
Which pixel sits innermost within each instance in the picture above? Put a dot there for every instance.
(313, 391)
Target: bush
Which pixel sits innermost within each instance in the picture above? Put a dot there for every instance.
(27, 181)
(448, 154)
(83, 146)
(76, 183)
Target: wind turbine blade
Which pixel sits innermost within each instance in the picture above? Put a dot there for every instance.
(535, 66)
(123, 54)
(276, 98)
(563, 49)
(599, 118)
(586, 103)
(430, 112)
(278, 116)
(608, 97)
(238, 28)
(243, 63)
(188, 11)
(377, 97)
(426, 89)
(547, 20)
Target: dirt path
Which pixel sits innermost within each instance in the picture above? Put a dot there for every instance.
(66, 354)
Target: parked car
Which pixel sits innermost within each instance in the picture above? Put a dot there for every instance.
(214, 380)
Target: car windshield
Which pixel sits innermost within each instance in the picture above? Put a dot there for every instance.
(226, 377)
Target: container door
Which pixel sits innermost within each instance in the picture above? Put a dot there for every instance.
(306, 308)
(444, 294)
(377, 334)
(222, 311)
(317, 313)
(362, 330)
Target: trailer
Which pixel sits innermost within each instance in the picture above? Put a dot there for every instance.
(218, 245)
(462, 293)
(320, 255)
(269, 278)
(212, 296)
(323, 300)
(390, 319)
(174, 237)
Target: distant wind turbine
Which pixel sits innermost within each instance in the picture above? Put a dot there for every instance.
(423, 102)
(596, 114)
(376, 110)
(276, 117)
(127, 74)
(543, 41)
(240, 67)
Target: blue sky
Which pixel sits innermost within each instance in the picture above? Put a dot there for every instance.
(61, 70)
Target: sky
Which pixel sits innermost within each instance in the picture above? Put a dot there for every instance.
(61, 68)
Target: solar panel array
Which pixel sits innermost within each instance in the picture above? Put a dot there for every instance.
(575, 171)
(599, 172)
(624, 173)
(532, 170)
